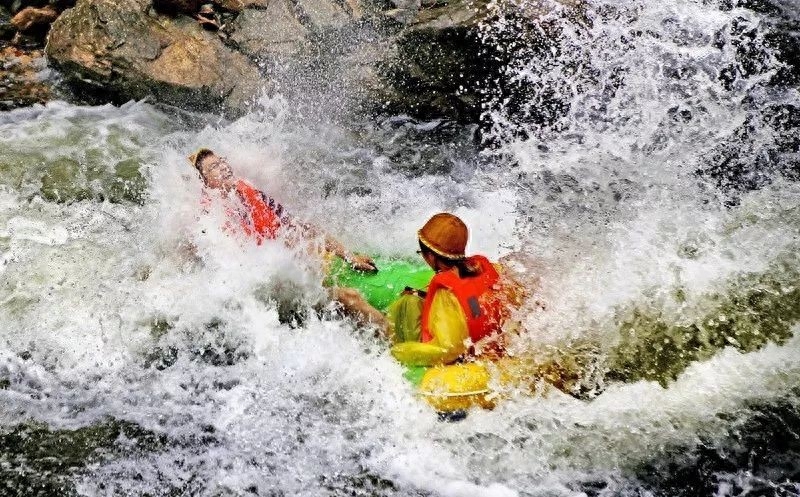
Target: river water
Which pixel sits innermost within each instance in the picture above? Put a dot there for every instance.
(641, 174)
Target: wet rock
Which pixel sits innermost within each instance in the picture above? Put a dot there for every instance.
(412, 5)
(441, 65)
(401, 16)
(263, 4)
(31, 18)
(425, 58)
(175, 7)
(437, 57)
(119, 50)
(17, 5)
(23, 78)
(38, 460)
(274, 32)
(321, 15)
(232, 5)
(293, 29)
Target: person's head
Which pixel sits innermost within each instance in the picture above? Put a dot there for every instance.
(214, 170)
(443, 242)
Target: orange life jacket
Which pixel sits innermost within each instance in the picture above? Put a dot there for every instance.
(262, 216)
(480, 296)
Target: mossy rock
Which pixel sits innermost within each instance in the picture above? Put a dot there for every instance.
(67, 180)
(38, 461)
(756, 309)
(127, 184)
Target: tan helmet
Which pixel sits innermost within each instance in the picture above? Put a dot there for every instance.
(446, 235)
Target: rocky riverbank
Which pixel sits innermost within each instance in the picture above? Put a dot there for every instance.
(424, 58)
(25, 78)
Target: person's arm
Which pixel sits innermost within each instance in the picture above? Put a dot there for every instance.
(448, 325)
(359, 262)
(355, 305)
(332, 246)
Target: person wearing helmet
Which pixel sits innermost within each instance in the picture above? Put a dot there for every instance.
(463, 311)
(257, 215)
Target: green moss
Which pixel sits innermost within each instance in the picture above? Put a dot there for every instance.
(67, 180)
(64, 181)
(12, 171)
(754, 310)
(127, 184)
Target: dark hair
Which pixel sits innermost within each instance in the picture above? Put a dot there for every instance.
(465, 269)
(201, 154)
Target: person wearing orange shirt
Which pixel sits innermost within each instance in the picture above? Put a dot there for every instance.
(258, 216)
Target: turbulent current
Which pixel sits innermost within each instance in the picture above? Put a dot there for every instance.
(640, 172)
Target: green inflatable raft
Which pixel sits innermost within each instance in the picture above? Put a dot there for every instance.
(384, 287)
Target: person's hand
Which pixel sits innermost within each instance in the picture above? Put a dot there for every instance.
(413, 291)
(363, 263)
(351, 300)
(354, 304)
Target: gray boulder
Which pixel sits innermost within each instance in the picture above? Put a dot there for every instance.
(121, 50)
(293, 29)
(273, 32)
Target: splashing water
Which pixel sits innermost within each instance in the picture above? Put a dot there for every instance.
(641, 173)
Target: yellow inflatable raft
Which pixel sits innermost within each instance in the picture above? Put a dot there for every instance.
(454, 387)
(483, 384)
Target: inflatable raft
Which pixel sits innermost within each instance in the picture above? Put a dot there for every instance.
(384, 287)
(448, 388)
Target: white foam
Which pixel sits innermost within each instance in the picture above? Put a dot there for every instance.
(303, 409)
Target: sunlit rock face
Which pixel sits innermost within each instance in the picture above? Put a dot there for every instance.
(24, 78)
(124, 51)
(403, 57)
